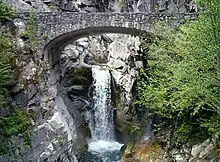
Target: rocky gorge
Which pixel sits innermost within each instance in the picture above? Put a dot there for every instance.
(58, 97)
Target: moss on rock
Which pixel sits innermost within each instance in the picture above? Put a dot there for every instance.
(81, 76)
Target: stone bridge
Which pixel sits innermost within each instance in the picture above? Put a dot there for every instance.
(57, 29)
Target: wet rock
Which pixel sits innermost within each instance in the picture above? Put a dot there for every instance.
(77, 90)
(90, 157)
(146, 151)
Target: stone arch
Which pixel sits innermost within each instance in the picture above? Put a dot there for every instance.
(56, 44)
(58, 27)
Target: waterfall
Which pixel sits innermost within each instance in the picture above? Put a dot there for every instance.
(102, 127)
(101, 118)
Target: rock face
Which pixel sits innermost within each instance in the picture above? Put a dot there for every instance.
(53, 129)
(123, 56)
(104, 6)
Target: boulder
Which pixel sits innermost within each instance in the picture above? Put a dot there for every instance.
(123, 46)
(118, 50)
(71, 52)
(139, 64)
(196, 150)
(76, 90)
(116, 75)
(207, 150)
(83, 42)
(116, 63)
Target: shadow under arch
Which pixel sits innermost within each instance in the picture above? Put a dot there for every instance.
(64, 39)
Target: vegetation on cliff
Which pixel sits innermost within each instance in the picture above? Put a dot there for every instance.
(6, 52)
(13, 121)
(6, 69)
(180, 83)
(6, 12)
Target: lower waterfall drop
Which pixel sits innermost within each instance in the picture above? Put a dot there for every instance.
(102, 142)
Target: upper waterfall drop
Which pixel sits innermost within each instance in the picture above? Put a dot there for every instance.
(102, 126)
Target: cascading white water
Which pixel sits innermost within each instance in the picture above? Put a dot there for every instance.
(101, 118)
(102, 126)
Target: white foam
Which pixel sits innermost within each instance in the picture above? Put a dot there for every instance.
(101, 146)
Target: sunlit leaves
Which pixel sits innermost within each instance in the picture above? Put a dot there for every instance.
(181, 80)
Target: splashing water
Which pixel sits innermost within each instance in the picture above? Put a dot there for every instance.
(101, 121)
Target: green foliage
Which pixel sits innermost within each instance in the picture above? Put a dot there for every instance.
(81, 76)
(181, 81)
(6, 12)
(53, 7)
(121, 3)
(6, 68)
(16, 122)
(132, 128)
(29, 35)
(13, 125)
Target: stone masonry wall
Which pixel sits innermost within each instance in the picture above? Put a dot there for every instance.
(51, 25)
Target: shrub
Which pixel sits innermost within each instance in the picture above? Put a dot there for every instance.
(6, 12)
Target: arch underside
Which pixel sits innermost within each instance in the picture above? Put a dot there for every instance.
(66, 38)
